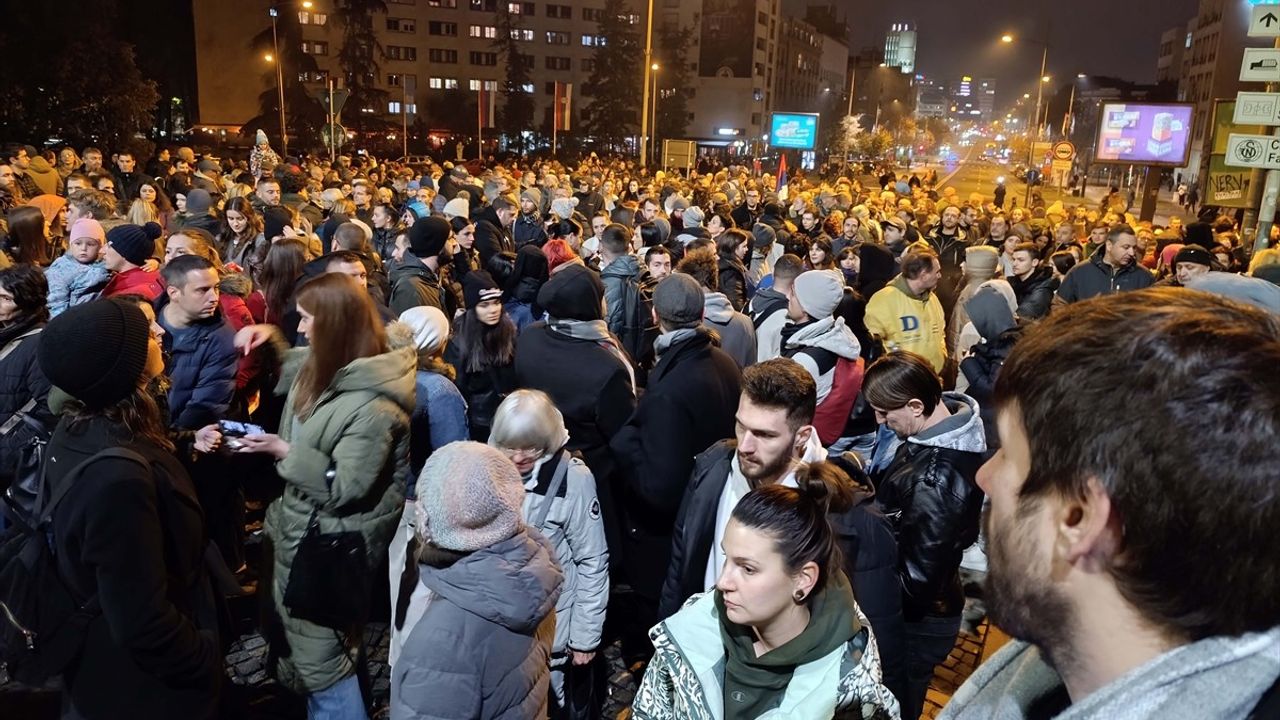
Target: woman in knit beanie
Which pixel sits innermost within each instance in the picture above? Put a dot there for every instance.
(128, 533)
(485, 577)
(483, 351)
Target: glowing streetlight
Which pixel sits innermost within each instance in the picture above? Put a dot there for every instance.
(269, 57)
(1006, 38)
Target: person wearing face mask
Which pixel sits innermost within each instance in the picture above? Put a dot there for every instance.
(483, 352)
(780, 635)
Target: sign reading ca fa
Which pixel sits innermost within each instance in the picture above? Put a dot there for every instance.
(1256, 151)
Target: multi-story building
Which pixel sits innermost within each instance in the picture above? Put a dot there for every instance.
(430, 45)
(931, 98)
(986, 93)
(900, 47)
(732, 65)
(1211, 70)
(1174, 43)
(881, 93)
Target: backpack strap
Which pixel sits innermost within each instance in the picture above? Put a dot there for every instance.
(44, 509)
(14, 343)
(557, 480)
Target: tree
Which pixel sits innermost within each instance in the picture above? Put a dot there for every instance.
(673, 82)
(848, 134)
(78, 92)
(616, 77)
(304, 113)
(515, 116)
(358, 59)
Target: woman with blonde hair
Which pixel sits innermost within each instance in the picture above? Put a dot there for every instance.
(142, 212)
(560, 501)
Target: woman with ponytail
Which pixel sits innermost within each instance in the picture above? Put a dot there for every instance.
(781, 635)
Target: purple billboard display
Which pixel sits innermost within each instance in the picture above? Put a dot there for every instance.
(1144, 134)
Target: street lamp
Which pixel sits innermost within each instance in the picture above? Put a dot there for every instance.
(1044, 61)
(654, 68)
(644, 100)
(274, 11)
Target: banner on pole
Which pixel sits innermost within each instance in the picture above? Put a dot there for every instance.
(562, 110)
(486, 105)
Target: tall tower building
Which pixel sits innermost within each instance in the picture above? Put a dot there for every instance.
(900, 47)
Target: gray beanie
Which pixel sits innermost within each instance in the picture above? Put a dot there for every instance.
(693, 217)
(469, 497)
(819, 292)
(763, 236)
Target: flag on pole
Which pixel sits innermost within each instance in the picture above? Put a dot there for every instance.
(562, 110)
(486, 103)
(782, 175)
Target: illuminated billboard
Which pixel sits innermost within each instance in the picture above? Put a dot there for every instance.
(794, 131)
(1144, 134)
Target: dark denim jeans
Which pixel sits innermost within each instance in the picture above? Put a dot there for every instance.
(929, 642)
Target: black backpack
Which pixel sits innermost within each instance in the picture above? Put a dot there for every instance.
(42, 623)
(638, 330)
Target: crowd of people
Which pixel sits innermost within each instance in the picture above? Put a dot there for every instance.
(747, 430)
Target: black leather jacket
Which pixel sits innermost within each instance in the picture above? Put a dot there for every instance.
(929, 495)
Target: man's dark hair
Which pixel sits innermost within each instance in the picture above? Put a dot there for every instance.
(1029, 249)
(899, 377)
(917, 262)
(124, 153)
(702, 265)
(788, 267)
(782, 383)
(1063, 261)
(655, 251)
(623, 215)
(175, 271)
(1117, 230)
(29, 288)
(615, 239)
(343, 256)
(350, 236)
(267, 180)
(1195, 554)
(13, 150)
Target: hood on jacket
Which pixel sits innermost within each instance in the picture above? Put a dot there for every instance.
(962, 431)
(411, 265)
(718, 309)
(514, 583)
(989, 311)
(625, 266)
(877, 267)
(527, 274)
(1251, 290)
(900, 283)
(391, 374)
(829, 333)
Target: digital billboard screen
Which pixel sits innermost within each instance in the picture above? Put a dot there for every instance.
(793, 131)
(1144, 134)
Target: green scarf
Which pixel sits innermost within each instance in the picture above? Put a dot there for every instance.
(754, 685)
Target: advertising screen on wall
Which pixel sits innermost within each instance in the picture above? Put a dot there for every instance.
(1144, 134)
(794, 131)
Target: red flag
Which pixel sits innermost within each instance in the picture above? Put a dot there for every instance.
(562, 112)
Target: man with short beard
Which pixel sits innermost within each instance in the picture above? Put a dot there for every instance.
(1136, 585)
(774, 433)
(999, 229)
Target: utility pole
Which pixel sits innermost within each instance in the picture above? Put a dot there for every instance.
(644, 101)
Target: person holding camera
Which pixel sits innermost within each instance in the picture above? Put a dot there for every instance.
(343, 453)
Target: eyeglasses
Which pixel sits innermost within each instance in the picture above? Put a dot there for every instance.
(522, 454)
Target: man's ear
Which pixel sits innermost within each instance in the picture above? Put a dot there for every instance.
(802, 439)
(1088, 527)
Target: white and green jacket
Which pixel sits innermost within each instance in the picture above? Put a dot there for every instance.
(685, 678)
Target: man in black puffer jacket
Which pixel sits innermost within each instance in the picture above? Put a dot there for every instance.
(929, 493)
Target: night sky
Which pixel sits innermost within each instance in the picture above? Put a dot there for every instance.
(1120, 38)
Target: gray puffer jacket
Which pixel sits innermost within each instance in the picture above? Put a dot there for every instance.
(482, 649)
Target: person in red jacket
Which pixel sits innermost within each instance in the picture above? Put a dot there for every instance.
(128, 249)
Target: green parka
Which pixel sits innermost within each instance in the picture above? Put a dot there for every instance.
(350, 460)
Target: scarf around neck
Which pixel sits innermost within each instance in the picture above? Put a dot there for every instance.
(596, 331)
